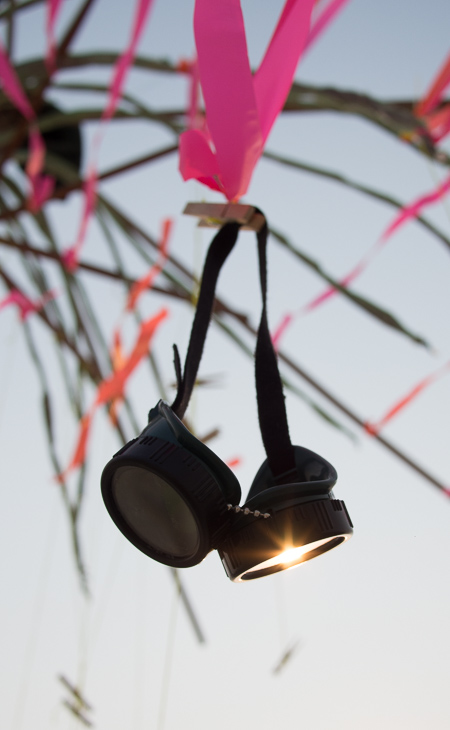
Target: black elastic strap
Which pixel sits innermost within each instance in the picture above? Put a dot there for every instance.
(269, 388)
(221, 246)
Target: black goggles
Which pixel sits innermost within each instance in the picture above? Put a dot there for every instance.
(176, 501)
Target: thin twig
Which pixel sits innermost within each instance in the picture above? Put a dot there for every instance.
(71, 32)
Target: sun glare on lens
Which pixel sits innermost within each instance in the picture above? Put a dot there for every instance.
(292, 554)
(290, 557)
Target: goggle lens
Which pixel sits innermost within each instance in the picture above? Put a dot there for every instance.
(155, 512)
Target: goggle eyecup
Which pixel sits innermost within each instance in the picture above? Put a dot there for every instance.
(304, 521)
(201, 485)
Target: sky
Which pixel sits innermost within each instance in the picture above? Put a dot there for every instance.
(368, 622)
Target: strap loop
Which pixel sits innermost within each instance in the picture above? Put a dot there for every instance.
(221, 246)
(269, 389)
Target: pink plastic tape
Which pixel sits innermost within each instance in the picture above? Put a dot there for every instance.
(41, 185)
(240, 108)
(113, 387)
(71, 255)
(374, 428)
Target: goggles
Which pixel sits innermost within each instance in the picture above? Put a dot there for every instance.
(176, 501)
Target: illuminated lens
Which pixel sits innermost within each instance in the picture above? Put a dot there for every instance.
(291, 557)
(155, 512)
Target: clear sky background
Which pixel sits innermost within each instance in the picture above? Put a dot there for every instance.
(371, 618)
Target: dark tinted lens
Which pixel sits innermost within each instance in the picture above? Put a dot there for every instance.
(155, 511)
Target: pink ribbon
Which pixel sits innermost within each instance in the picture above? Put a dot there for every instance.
(121, 68)
(190, 67)
(240, 108)
(113, 387)
(437, 121)
(414, 209)
(324, 17)
(146, 282)
(12, 88)
(25, 305)
(41, 185)
(71, 255)
(436, 90)
(406, 214)
(124, 62)
(53, 8)
(374, 428)
(233, 463)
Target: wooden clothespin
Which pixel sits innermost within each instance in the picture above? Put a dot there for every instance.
(214, 215)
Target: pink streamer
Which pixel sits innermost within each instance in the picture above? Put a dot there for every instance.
(273, 79)
(146, 282)
(319, 24)
(281, 329)
(406, 214)
(413, 210)
(438, 123)
(234, 462)
(240, 109)
(194, 116)
(112, 388)
(26, 306)
(41, 185)
(70, 256)
(12, 88)
(374, 428)
(124, 62)
(434, 94)
(53, 8)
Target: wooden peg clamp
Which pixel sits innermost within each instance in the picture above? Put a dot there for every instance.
(214, 215)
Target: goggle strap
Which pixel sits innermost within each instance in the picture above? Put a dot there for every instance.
(219, 249)
(272, 415)
(269, 389)
(177, 366)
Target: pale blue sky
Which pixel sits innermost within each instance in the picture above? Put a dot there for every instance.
(372, 617)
